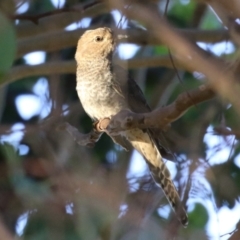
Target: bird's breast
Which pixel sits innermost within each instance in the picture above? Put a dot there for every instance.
(98, 97)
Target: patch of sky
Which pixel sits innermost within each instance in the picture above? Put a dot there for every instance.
(219, 224)
(69, 208)
(172, 168)
(218, 147)
(15, 135)
(237, 20)
(58, 3)
(23, 149)
(123, 210)
(84, 23)
(120, 20)
(137, 166)
(35, 58)
(137, 169)
(111, 156)
(22, 7)
(218, 48)
(199, 76)
(237, 160)
(127, 50)
(224, 225)
(218, 152)
(41, 89)
(65, 109)
(164, 211)
(21, 224)
(29, 105)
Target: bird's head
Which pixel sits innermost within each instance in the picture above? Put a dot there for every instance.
(93, 44)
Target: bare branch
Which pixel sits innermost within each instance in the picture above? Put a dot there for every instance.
(24, 71)
(58, 21)
(159, 118)
(5, 234)
(148, 37)
(224, 131)
(62, 39)
(35, 18)
(66, 67)
(48, 42)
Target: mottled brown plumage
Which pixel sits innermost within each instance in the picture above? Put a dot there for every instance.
(105, 89)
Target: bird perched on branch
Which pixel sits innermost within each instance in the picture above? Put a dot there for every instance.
(105, 89)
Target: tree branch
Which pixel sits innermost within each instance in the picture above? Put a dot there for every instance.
(65, 67)
(5, 234)
(57, 40)
(35, 18)
(58, 21)
(68, 67)
(159, 118)
(24, 71)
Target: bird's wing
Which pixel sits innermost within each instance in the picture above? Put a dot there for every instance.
(127, 87)
(138, 104)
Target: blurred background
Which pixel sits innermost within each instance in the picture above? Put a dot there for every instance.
(53, 188)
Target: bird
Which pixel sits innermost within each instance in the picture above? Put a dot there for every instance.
(104, 89)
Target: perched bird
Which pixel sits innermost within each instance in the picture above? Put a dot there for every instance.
(105, 89)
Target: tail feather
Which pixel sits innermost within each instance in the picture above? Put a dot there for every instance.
(142, 142)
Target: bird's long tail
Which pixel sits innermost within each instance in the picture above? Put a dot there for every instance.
(142, 142)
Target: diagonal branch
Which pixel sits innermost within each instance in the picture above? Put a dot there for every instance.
(221, 78)
(159, 118)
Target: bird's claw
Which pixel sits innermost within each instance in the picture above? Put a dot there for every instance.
(120, 122)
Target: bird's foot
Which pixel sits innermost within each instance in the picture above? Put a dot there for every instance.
(101, 125)
(121, 121)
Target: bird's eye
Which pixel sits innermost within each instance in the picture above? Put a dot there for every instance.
(98, 39)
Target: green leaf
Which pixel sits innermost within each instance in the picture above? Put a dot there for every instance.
(198, 217)
(181, 12)
(7, 44)
(161, 50)
(210, 21)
